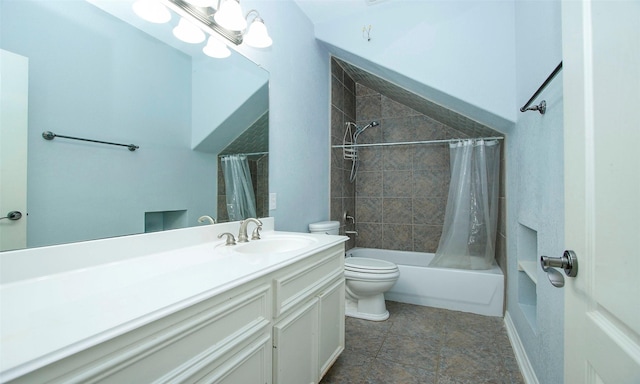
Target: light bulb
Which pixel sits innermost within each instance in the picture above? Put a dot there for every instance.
(257, 36)
(188, 32)
(229, 16)
(216, 48)
(152, 11)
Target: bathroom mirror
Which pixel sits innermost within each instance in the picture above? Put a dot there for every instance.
(97, 71)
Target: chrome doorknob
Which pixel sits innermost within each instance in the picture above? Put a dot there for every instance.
(13, 215)
(568, 262)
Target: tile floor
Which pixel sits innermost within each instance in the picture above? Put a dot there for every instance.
(427, 346)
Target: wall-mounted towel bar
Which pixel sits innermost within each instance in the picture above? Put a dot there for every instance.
(48, 135)
(542, 107)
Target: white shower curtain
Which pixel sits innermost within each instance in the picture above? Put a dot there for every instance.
(241, 201)
(471, 216)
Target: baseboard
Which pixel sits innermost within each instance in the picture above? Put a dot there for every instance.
(526, 369)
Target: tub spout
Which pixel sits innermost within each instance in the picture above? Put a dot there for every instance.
(242, 236)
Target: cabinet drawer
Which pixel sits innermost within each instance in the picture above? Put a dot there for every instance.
(302, 279)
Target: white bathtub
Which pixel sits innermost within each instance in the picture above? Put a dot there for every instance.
(473, 291)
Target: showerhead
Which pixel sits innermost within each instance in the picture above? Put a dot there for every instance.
(371, 124)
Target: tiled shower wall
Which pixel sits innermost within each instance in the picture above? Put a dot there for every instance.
(400, 194)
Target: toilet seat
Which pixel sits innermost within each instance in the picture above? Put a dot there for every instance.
(366, 265)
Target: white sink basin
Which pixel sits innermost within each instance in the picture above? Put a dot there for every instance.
(277, 244)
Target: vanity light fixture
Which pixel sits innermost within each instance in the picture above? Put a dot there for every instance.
(199, 18)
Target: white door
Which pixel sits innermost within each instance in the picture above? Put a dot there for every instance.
(601, 49)
(14, 77)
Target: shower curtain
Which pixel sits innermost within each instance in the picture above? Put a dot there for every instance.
(239, 189)
(471, 216)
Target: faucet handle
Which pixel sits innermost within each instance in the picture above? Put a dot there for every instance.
(255, 235)
(230, 239)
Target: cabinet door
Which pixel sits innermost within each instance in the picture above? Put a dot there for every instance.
(295, 346)
(331, 325)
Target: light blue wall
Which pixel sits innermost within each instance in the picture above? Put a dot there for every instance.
(228, 94)
(95, 85)
(535, 186)
(298, 115)
(460, 54)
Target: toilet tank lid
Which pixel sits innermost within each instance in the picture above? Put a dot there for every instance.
(324, 225)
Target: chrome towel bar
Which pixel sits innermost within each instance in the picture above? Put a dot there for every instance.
(48, 135)
(542, 107)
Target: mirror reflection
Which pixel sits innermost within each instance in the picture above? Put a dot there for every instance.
(95, 71)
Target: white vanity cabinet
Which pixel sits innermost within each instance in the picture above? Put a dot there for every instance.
(308, 334)
(283, 326)
(225, 339)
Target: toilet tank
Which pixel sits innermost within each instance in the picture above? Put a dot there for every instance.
(325, 227)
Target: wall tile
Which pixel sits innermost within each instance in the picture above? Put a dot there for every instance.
(337, 126)
(349, 104)
(336, 182)
(368, 108)
(336, 209)
(396, 210)
(370, 159)
(369, 184)
(369, 236)
(337, 93)
(348, 187)
(391, 108)
(431, 156)
(397, 158)
(398, 129)
(397, 183)
(362, 90)
(426, 238)
(336, 69)
(431, 182)
(368, 210)
(429, 210)
(397, 236)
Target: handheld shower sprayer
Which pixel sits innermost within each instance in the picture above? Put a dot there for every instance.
(354, 165)
(360, 130)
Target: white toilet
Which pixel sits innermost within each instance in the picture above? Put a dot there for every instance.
(366, 280)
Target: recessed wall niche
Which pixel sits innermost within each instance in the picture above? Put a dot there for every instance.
(164, 220)
(527, 273)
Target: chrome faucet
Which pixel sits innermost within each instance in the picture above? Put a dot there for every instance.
(208, 218)
(242, 236)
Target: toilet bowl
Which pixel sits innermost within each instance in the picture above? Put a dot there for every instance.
(366, 280)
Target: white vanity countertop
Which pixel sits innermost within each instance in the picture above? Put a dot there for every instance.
(46, 318)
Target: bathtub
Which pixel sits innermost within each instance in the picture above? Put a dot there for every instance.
(474, 291)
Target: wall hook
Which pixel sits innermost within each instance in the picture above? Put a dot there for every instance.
(366, 32)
